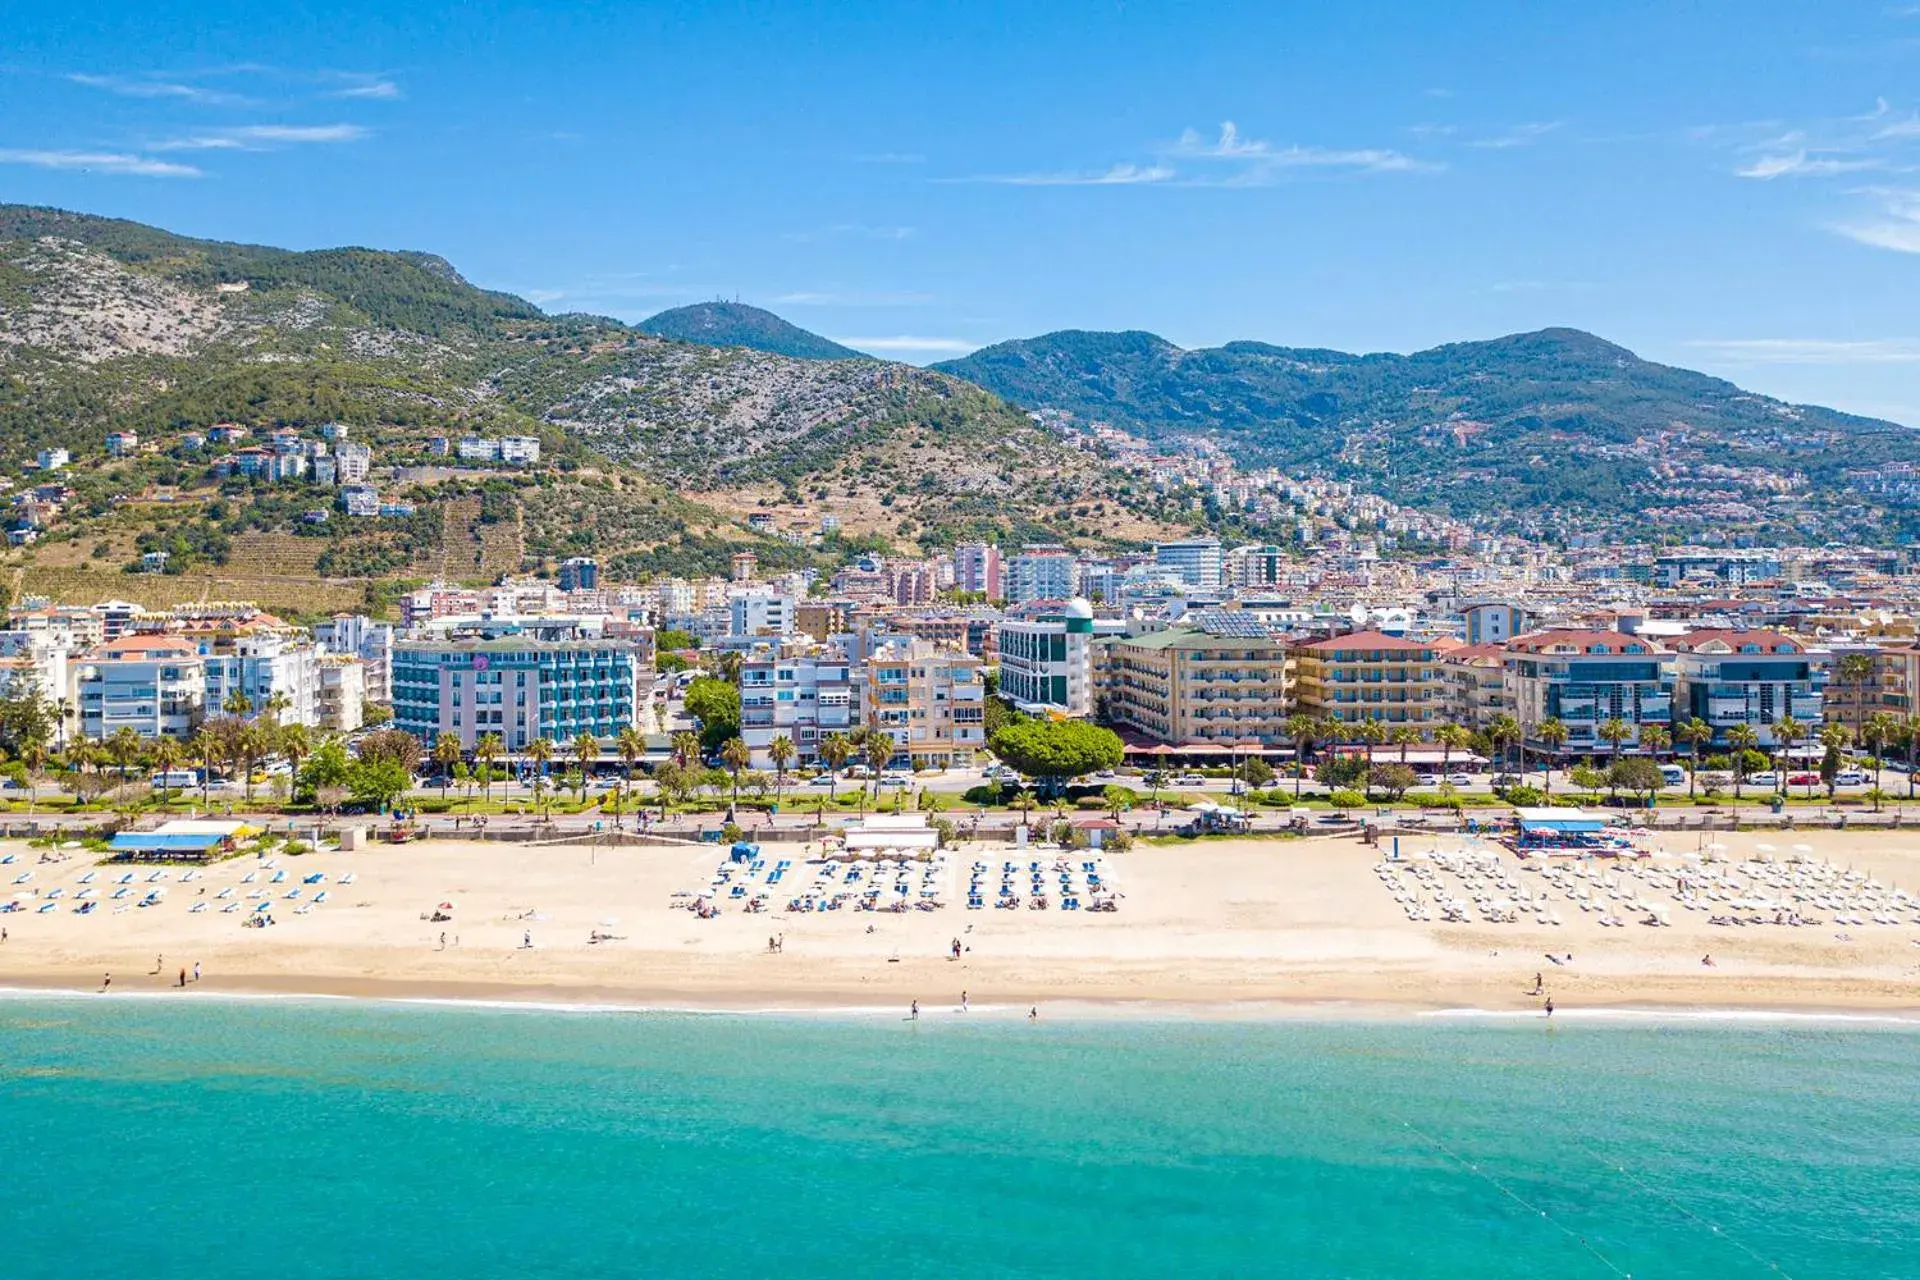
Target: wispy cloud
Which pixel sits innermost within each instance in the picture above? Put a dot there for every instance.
(114, 162)
(1119, 175)
(1809, 351)
(907, 342)
(262, 137)
(1799, 164)
(1896, 226)
(152, 87)
(1521, 135)
(1258, 160)
(354, 84)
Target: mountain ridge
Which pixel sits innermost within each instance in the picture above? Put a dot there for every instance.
(737, 324)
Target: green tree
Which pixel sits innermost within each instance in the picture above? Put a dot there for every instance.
(1880, 729)
(1835, 738)
(1301, 730)
(1391, 780)
(782, 752)
(1057, 751)
(1613, 731)
(446, 754)
(716, 705)
(1693, 731)
(1742, 739)
(487, 748)
(377, 782)
(835, 750)
(586, 752)
(540, 751)
(736, 755)
(1638, 775)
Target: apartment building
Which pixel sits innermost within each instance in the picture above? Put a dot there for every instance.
(1585, 678)
(518, 687)
(1189, 684)
(977, 567)
(356, 635)
(340, 705)
(760, 613)
(1195, 561)
(803, 698)
(1746, 677)
(1046, 659)
(1039, 573)
(1474, 676)
(932, 700)
(1370, 675)
(152, 684)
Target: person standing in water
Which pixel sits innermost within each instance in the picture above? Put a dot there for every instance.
(105, 983)
(913, 1015)
(1549, 1006)
(963, 1002)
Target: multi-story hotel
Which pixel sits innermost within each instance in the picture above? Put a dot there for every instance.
(1585, 678)
(1045, 660)
(155, 685)
(1189, 684)
(1745, 677)
(1370, 675)
(802, 698)
(517, 687)
(932, 699)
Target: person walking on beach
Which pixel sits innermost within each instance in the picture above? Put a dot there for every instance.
(196, 971)
(526, 939)
(105, 983)
(914, 1014)
(443, 939)
(963, 1002)
(183, 977)
(1549, 1006)
(1538, 984)
(158, 963)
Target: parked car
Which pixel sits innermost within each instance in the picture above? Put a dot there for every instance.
(1673, 775)
(1767, 778)
(1850, 778)
(820, 780)
(1189, 780)
(1460, 779)
(1106, 775)
(896, 781)
(1803, 780)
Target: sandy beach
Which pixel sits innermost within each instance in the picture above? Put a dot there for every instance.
(1245, 927)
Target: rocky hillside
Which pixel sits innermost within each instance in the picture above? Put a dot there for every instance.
(109, 325)
(734, 324)
(1534, 431)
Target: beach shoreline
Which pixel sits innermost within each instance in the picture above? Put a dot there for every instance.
(1220, 931)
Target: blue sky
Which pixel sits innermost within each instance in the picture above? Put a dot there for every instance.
(1734, 187)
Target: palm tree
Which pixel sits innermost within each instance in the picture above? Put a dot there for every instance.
(540, 751)
(834, 751)
(686, 749)
(124, 747)
(782, 752)
(1552, 733)
(632, 746)
(33, 754)
(1301, 730)
(296, 746)
(446, 754)
(1786, 730)
(1502, 731)
(1854, 671)
(729, 666)
(586, 750)
(251, 744)
(62, 712)
(1693, 731)
(1742, 738)
(1613, 731)
(276, 702)
(879, 747)
(165, 755)
(487, 748)
(736, 755)
(1878, 731)
(1910, 735)
(205, 745)
(237, 703)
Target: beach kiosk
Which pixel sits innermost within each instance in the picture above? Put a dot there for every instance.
(1568, 831)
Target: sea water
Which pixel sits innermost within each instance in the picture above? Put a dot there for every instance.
(205, 1139)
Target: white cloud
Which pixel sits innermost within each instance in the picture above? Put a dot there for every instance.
(1259, 160)
(1120, 175)
(1897, 227)
(377, 88)
(1809, 351)
(263, 137)
(98, 162)
(1519, 136)
(140, 87)
(1799, 164)
(541, 297)
(906, 342)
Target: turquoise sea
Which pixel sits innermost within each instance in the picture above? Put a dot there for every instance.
(207, 1139)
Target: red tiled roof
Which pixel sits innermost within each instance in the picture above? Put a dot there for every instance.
(144, 647)
(1769, 641)
(1582, 640)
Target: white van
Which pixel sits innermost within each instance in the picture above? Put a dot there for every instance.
(1675, 776)
(176, 779)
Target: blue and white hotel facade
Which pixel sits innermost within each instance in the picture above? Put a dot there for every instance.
(520, 689)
